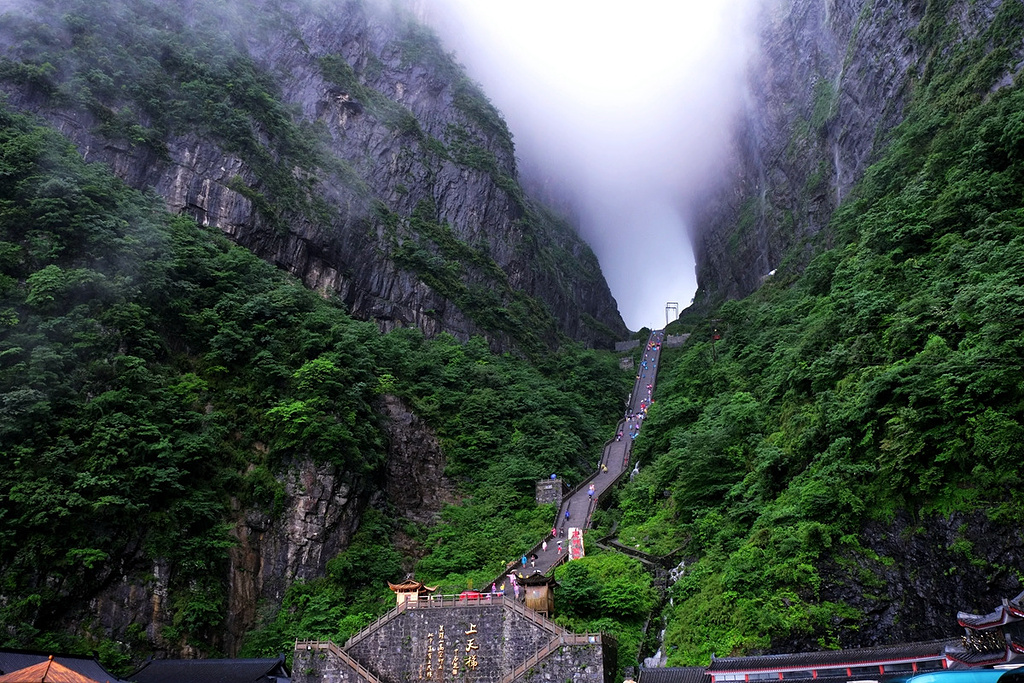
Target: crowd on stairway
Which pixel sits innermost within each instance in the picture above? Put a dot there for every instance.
(566, 539)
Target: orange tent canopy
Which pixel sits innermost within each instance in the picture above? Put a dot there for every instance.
(49, 671)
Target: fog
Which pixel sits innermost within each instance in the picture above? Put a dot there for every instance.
(623, 110)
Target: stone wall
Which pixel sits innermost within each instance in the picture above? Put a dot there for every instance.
(436, 644)
(322, 666)
(472, 643)
(676, 339)
(549, 491)
(576, 663)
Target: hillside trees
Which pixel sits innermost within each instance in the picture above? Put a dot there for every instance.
(883, 382)
(151, 372)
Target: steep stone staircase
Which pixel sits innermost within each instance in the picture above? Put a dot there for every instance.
(577, 650)
(347, 668)
(613, 467)
(363, 675)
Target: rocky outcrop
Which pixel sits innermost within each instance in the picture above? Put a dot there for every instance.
(312, 520)
(399, 130)
(321, 509)
(828, 81)
(416, 486)
(917, 574)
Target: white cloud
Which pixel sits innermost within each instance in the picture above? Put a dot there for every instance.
(628, 104)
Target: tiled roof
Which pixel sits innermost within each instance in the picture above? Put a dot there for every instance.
(675, 674)
(46, 671)
(1010, 610)
(972, 658)
(210, 670)
(411, 585)
(982, 621)
(12, 660)
(832, 658)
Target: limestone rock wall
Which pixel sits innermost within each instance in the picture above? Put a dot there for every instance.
(827, 82)
(449, 150)
(925, 571)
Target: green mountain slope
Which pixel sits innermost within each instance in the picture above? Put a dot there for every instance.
(844, 464)
(158, 386)
(336, 140)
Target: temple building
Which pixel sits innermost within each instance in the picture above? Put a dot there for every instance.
(993, 638)
(411, 591)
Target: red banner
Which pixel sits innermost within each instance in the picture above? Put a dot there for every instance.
(575, 543)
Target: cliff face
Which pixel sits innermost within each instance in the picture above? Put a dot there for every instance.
(336, 140)
(320, 509)
(827, 93)
(828, 81)
(939, 565)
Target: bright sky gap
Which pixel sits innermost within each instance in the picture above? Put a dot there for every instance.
(623, 111)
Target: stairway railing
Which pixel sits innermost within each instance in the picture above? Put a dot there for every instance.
(537, 618)
(380, 621)
(549, 647)
(450, 601)
(329, 645)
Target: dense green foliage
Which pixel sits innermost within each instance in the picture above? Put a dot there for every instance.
(885, 377)
(154, 379)
(608, 593)
(150, 373)
(149, 76)
(143, 361)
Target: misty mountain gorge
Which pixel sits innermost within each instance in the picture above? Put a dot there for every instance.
(284, 316)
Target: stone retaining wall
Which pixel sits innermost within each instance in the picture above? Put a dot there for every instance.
(475, 643)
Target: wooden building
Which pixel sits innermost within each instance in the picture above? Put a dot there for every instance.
(993, 638)
(540, 593)
(411, 591)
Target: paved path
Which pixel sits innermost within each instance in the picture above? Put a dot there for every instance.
(615, 459)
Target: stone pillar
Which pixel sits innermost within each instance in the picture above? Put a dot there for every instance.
(549, 491)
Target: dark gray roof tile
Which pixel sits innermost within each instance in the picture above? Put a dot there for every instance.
(210, 671)
(831, 658)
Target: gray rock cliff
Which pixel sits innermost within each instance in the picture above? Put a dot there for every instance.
(827, 83)
(352, 151)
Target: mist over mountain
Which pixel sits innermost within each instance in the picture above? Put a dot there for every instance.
(624, 114)
(379, 126)
(279, 322)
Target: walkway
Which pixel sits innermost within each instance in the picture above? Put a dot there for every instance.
(615, 459)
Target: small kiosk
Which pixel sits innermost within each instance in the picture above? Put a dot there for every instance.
(411, 591)
(540, 593)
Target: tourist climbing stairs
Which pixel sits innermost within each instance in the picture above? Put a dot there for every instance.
(386, 652)
(580, 502)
